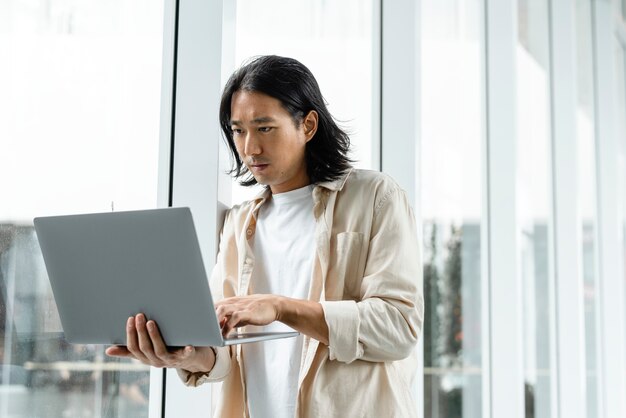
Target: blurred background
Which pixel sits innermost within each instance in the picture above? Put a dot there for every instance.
(81, 130)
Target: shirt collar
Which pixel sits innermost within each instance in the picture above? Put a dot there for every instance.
(336, 185)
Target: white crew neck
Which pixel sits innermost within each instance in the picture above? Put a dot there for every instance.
(293, 195)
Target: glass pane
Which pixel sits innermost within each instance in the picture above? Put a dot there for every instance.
(79, 119)
(334, 42)
(585, 121)
(620, 61)
(451, 163)
(533, 201)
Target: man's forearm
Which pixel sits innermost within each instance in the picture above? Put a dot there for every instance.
(304, 316)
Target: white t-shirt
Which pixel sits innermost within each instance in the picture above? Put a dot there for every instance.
(284, 249)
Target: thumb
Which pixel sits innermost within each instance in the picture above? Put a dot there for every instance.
(118, 351)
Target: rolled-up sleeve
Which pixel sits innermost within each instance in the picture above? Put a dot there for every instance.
(219, 371)
(384, 325)
(342, 318)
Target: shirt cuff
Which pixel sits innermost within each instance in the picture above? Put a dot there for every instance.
(220, 370)
(342, 318)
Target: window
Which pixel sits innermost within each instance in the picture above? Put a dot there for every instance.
(533, 201)
(452, 135)
(620, 61)
(79, 120)
(585, 116)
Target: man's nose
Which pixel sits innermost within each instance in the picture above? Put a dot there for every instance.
(252, 145)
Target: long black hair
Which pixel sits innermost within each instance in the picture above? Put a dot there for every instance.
(289, 81)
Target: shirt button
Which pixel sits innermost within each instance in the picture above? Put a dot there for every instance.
(249, 232)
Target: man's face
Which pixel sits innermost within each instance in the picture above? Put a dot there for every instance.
(269, 142)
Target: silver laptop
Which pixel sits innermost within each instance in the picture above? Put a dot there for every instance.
(105, 267)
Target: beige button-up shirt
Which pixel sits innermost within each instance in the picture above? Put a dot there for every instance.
(367, 275)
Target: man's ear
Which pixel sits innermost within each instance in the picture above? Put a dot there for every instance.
(310, 125)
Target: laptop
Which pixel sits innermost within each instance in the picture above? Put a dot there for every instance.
(106, 267)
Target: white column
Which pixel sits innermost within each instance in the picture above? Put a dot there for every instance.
(570, 331)
(399, 80)
(191, 93)
(611, 280)
(157, 376)
(506, 366)
(399, 116)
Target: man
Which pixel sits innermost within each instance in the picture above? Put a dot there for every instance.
(327, 250)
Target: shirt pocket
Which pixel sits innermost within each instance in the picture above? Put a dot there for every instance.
(349, 270)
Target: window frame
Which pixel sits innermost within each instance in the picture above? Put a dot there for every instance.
(612, 315)
(190, 148)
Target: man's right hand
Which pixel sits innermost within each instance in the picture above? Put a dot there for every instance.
(144, 343)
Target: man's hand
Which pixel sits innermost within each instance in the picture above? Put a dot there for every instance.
(304, 316)
(248, 310)
(144, 343)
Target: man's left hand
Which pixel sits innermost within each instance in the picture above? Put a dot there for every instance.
(304, 316)
(247, 310)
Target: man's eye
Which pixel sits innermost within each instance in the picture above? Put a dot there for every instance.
(236, 131)
(265, 129)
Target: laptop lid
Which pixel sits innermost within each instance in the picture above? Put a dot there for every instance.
(105, 267)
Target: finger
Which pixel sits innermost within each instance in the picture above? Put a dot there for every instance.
(145, 343)
(225, 310)
(227, 324)
(160, 349)
(132, 341)
(165, 357)
(118, 351)
(232, 302)
(237, 319)
(229, 306)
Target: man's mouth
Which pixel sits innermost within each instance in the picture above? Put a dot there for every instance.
(258, 167)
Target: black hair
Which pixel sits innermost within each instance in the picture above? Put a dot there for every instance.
(291, 83)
